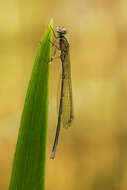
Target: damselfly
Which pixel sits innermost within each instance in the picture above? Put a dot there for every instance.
(65, 107)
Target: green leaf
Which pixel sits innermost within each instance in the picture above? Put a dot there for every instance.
(28, 172)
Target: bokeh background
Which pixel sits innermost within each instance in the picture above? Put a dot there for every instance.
(92, 153)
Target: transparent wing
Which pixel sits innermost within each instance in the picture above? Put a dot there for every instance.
(67, 103)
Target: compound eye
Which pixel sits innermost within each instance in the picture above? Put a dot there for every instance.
(57, 29)
(64, 31)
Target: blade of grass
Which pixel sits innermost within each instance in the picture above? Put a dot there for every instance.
(28, 171)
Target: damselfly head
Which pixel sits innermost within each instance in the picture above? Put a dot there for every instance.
(61, 31)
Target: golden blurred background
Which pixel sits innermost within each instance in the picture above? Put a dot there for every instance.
(91, 154)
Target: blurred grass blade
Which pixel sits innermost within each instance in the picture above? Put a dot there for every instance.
(28, 172)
